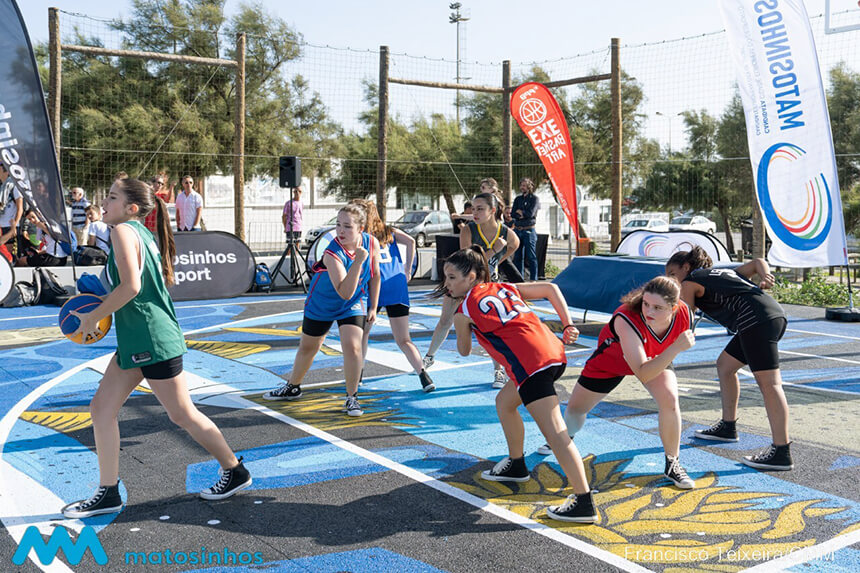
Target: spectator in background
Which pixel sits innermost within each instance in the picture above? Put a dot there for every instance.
(28, 233)
(292, 216)
(507, 218)
(50, 255)
(189, 207)
(162, 191)
(524, 214)
(98, 232)
(11, 210)
(462, 219)
(79, 214)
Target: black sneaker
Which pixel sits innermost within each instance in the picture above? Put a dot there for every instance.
(426, 383)
(105, 500)
(677, 474)
(722, 431)
(231, 482)
(508, 470)
(352, 407)
(576, 508)
(284, 392)
(773, 458)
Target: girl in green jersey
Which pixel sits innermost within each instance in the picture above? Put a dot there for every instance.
(150, 345)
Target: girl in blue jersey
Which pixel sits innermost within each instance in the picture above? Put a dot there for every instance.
(345, 288)
(394, 290)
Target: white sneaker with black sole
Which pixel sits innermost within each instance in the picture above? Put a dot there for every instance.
(544, 450)
(508, 470)
(105, 500)
(352, 407)
(428, 361)
(230, 483)
(500, 378)
(284, 392)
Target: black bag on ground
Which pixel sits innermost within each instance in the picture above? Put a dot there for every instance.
(52, 292)
(23, 293)
(86, 256)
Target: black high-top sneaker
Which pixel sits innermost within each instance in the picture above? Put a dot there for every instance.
(426, 383)
(105, 500)
(232, 481)
(773, 458)
(675, 473)
(722, 431)
(284, 392)
(508, 469)
(576, 508)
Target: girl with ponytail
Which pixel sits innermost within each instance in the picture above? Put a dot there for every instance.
(731, 298)
(150, 345)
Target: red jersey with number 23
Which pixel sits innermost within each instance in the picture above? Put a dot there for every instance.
(510, 332)
(608, 361)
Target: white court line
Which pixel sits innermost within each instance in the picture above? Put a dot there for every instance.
(482, 504)
(823, 334)
(815, 552)
(821, 357)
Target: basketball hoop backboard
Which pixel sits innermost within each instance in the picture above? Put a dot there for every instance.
(841, 16)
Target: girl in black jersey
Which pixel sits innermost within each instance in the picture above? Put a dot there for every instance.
(729, 297)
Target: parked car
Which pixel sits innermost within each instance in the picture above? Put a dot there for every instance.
(644, 225)
(423, 226)
(693, 223)
(319, 230)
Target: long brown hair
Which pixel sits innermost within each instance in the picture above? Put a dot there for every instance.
(696, 257)
(375, 225)
(139, 193)
(662, 286)
(494, 201)
(466, 260)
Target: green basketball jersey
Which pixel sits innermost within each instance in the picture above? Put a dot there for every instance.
(147, 331)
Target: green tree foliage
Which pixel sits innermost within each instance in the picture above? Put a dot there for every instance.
(188, 111)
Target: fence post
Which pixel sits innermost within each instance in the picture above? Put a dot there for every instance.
(615, 88)
(382, 135)
(55, 76)
(239, 145)
(507, 156)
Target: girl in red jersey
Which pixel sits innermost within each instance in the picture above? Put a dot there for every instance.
(534, 359)
(644, 335)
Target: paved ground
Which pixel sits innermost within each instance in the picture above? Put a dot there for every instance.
(397, 489)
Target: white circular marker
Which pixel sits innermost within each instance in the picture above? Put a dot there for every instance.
(213, 522)
(164, 517)
(700, 533)
(258, 502)
(665, 535)
(660, 504)
(134, 529)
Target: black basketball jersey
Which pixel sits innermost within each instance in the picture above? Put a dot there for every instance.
(733, 300)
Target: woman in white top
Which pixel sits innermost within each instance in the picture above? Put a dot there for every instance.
(98, 232)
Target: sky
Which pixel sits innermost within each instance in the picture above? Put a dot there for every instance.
(496, 29)
(499, 30)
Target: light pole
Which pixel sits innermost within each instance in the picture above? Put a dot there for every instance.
(668, 117)
(456, 18)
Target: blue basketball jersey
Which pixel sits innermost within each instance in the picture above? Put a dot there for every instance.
(323, 302)
(393, 288)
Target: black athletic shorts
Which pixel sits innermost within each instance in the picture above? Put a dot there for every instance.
(397, 310)
(163, 370)
(540, 384)
(605, 385)
(757, 346)
(313, 327)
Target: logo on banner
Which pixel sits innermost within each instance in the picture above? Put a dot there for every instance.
(533, 112)
(59, 541)
(799, 218)
(652, 245)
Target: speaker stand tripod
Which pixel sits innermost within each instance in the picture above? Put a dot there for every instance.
(295, 275)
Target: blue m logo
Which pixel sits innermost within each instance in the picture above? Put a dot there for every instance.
(60, 540)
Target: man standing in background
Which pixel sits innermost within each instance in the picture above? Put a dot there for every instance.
(189, 207)
(524, 215)
(292, 216)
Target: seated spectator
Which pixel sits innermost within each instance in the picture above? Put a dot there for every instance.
(11, 210)
(28, 232)
(50, 253)
(79, 214)
(462, 219)
(98, 231)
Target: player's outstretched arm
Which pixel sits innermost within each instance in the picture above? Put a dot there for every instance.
(463, 328)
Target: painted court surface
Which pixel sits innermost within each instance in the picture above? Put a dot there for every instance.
(398, 488)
